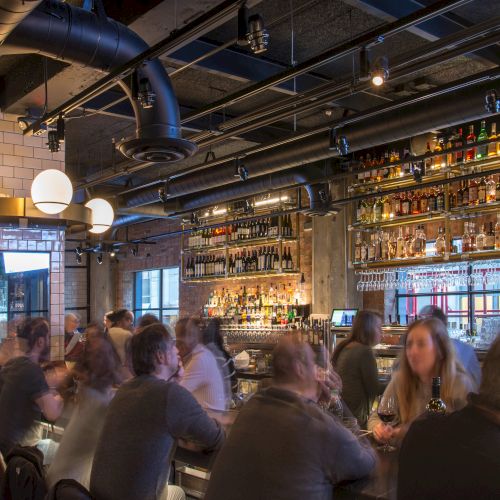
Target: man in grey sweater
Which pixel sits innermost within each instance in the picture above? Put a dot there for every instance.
(283, 445)
(144, 420)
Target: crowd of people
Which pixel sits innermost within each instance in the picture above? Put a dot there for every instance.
(131, 395)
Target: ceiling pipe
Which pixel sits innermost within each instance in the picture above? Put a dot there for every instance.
(61, 31)
(459, 105)
(12, 12)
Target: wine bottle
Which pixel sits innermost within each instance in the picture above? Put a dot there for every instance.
(436, 405)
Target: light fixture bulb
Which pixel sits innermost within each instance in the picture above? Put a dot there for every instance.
(51, 191)
(378, 80)
(102, 215)
(380, 71)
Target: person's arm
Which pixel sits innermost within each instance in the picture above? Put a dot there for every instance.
(369, 373)
(187, 420)
(51, 406)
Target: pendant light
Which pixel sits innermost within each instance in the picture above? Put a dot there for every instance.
(102, 215)
(51, 191)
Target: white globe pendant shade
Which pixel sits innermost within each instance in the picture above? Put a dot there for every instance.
(102, 215)
(51, 191)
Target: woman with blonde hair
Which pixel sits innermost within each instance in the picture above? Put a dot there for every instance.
(427, 353)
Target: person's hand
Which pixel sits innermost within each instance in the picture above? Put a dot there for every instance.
(384, 433)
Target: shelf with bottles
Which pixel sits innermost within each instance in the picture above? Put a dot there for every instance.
(452, 152)
(243, 276)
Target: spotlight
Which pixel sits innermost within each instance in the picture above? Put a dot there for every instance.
(248, 208)
(145, 95)
(53, 141)
(195, 219)
(60, 126)
(240, 172)
(78, 259)
(418, 171)
(338, 143)
(112, 253)
(99, 259)
(78, 251)
(257, 36)
(492, 102)
(380, 71)
(23, 122)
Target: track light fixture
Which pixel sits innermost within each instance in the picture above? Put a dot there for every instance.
(99, 259)
(257, 36)
(492, 102)
(240, 171)
(53, 141)
(380, 71)
(338, 143)
(60, 128)
(78, 251)
(195, 219)
(78, 259)
(248, 208)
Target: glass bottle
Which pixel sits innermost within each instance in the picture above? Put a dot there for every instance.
(364, 251)
(466, 246)
(440, 243)
(424, 202)
(378, 210)
(436, 405)
(481, 239)
(470, 154)
(473, 192)
(405, 205)
(497, 190)
(357, 248)
(473, 236)
(418, 243)
(493, 146)
(460, 195)
(481, 191)
(396, 205)
(465, 194)
(415, 202)
(490, 190)
(432, 200)
(490, 240)
(387, 208)
(409, 243)
(458, 141)
(428, 161)
(384, 246)
(452, 199)
(450, 156)
(440, 199)
(482, 149)
(497, 233)
(400, 245)
(371, 248)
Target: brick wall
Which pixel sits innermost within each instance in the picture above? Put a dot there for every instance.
(167, 253)
(21, 159)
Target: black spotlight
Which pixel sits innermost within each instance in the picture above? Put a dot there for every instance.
(240, 171)
(99, 259)
(53, 141)
(380, 71)
(338, 143)
(492, 102)
(78, 259)
(195, 220)
(78, 251)
(257, 36)
(60, 128)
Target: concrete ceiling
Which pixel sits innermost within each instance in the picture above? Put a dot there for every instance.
(299, 29)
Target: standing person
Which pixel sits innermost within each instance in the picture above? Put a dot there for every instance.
(202, 376)
(95, 373)
(457, 457)
(122, 321)
(73, 346)
(144, 420)
(354, 361)
(24, 392)
(282, 444)
(212, 338)
(465, 352)
(427, 353)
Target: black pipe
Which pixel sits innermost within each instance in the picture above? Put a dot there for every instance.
(62, 31)
(12, 12)
(457, 107)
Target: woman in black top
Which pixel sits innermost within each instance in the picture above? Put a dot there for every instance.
(354, 361)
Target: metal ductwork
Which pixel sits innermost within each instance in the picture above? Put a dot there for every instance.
(12, 12)
(445, 110)
(61, 31)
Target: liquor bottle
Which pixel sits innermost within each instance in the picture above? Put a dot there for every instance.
(424, 202)
(458, 141)
(466, 242)
(289, 261)
(276, 264)
(364, 251)
(405, 204)
(482, 149)
(393, 246)
(490, 240)
(396, 205)
(473, 237)
(497, 233)
(440, 199)
(440, 243)
(450, 156)
(371, 249)
(497, 190)
(428, 161)
(432, 200)
(452, 199)
(465, 195)
(470, 154)
(460, 195)
(481, 191)
(473, 192)
(409, 238)
(384, 246)
(386, 210)
(436, 405)
(418, 243)
(493, 147)
(481, 239)
(377, 238)
(378, 209)
(490, 190)
(415, 203)
(357, 248)
(439, 159)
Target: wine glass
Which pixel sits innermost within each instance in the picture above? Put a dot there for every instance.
(387, 411)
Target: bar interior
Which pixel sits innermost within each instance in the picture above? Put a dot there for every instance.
(249, 249)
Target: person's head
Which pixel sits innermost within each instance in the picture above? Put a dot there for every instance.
(146, 320)
(427, 353)
(212, 334)
(71, 322)
(431, 311)
(94, 331)
(154, 352)
(107, 321)
(187, 335)
(366, 329)
(489, 390)
(122, 318)
(293, 364)
(36, 335)
(98, 367)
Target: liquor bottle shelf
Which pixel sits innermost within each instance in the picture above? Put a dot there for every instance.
(254, 242)
(240, 276)
(475, 210)
(415, 261)
(400, 221)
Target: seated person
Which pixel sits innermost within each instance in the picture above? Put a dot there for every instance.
(283, 444)
(143, 422)
(457, 456)
(427, 353)
(202, 376)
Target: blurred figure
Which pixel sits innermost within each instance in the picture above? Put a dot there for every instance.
(146, 320)
(465, 352)
(144, 420)
(121, 331)
(9, 347)
(73, 346)
(24, 392)
(427, 353)
(95, 373)
(320, 452)
(355, 362)
(202, 377)
(212, 338)
(457, 456)
(106, 321)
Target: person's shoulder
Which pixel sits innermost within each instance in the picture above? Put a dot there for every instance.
(463, 348)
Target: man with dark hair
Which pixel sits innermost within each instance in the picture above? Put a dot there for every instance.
(144, 420)
(465, 352)
(457, 456)
(283, 444)
(146, 320)
(24, 393)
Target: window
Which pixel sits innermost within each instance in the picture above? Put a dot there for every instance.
(157, 292)
(469, 295)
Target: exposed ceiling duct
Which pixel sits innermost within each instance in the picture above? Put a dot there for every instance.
(12, 12)
(445, 110)
(61, 31)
